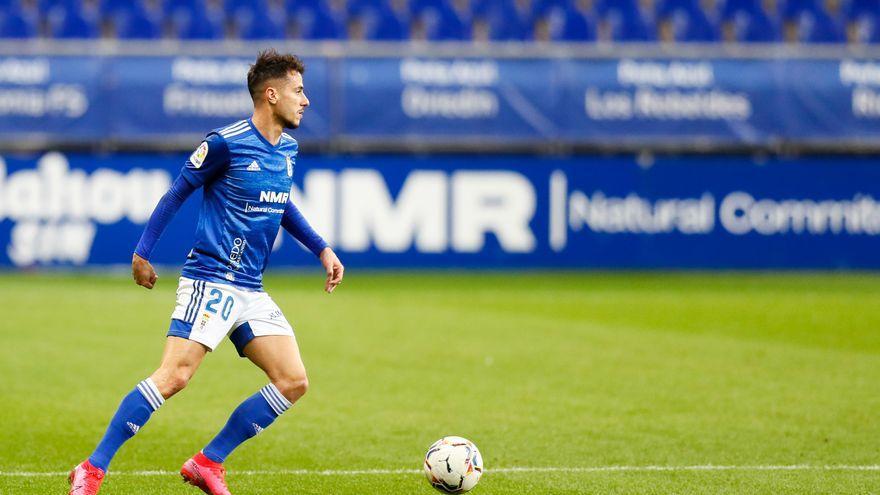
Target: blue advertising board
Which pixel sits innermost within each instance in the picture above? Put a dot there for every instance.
(602, 101)
(460, 211)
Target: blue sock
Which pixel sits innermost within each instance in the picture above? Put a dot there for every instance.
(133, 413)
(249, 418)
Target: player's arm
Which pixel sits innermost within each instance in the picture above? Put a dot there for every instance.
(296, 224)
(141, 269)
(208, 161)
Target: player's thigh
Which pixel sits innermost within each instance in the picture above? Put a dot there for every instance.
(180, 360)
(279, 357)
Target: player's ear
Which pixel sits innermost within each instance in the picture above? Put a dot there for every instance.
(271, 95)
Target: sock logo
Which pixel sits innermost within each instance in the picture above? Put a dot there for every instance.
(257, 428)
(134, 428)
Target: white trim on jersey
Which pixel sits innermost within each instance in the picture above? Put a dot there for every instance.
(288, 136)
(236, 133)
(232, 127)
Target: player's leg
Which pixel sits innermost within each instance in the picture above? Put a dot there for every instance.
(180, 360)
(264, 336)
(279, 357)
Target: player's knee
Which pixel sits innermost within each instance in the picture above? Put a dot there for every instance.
(292, 387)
(169, 382)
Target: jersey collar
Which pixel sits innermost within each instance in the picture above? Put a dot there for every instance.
(263, 139)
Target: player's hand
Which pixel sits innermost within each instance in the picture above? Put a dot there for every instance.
(334, 269)
(142, 272)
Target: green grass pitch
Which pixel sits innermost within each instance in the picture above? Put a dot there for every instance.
(732, 383)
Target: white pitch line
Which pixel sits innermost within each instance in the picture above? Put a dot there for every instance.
(514, 469)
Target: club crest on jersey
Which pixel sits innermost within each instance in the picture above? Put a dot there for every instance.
(289, 166)
(199, 155)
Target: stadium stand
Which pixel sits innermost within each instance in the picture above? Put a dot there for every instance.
(679, 21)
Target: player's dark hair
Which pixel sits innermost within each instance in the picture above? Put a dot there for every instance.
(271, 65)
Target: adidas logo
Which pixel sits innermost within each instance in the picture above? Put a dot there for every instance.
(253, 167)
(257, 428)
(134, 428)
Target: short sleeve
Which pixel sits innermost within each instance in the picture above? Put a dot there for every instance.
(208, 161)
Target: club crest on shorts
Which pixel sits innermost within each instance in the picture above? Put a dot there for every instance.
(199, 155)
(289, 166)
(205, 318)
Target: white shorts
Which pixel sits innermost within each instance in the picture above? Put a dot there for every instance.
(207, 312)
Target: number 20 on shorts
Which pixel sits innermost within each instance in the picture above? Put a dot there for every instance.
(216, 296)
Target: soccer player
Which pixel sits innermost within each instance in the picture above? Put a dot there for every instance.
(246, 171)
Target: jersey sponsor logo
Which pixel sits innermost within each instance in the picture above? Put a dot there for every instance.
(289, 166)
(238, 245)
(274, 197)
(199, 155)
(253, 167)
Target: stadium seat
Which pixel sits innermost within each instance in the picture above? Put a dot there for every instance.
(791, 9)
(357, 7)
(137, 22)
(687, 23)
(864, 29)
(857, 8)
(383, 24)
(730, 8)
(318, 24)
(261, 25)
(665, 8)
(443, 24)
(623, 20)
(200, 24)
(570, 25)
(751, 27)
(17, 23)
(70, 22)
(818, 27)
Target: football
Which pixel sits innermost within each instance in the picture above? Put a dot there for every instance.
(453, 465)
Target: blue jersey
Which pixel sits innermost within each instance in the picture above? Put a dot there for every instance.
(246, 184)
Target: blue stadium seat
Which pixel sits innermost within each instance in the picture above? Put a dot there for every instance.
(318, 24)
(857, 8)
(357, 7)
(17, 23)
(506, 22)
(443, 24)
(383, 24)
(179, 11)
(200, 24)
(137, 22)
(866, 29)
(818, 27)
(753, 27)
(689, 24)
(542, 8)
(69, 22)
(296, 6)
(417, 6)
(730, 8)
(261, 28)
(623, 20)
(665, 8)
(233, 8)
(568, 24)
(111, 8)
(791, 9)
